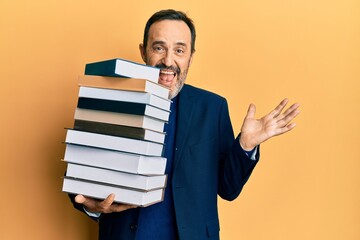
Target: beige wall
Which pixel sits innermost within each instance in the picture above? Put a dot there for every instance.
(307, 183)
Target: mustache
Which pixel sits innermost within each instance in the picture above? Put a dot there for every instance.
(172, 68)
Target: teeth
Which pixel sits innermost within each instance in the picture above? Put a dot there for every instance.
(167, 72)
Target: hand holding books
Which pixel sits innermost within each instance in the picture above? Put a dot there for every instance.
(105, 206)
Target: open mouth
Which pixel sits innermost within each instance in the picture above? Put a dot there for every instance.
(166, 76)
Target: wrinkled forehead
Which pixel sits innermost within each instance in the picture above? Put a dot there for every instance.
(170, 31)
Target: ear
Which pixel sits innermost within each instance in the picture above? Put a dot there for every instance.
(142, 52)
(191, 58)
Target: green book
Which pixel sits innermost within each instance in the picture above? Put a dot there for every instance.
(122, 68)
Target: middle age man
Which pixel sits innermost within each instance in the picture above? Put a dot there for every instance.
(204, 159)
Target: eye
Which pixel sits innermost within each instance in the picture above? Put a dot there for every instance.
(180, 51)
(158, 49)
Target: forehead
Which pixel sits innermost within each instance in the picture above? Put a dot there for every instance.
(170, 31)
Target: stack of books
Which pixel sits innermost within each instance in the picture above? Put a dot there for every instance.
(117, 141)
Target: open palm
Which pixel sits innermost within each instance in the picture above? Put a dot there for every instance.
(256, 131)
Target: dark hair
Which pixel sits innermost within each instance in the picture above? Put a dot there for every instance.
(170, 14)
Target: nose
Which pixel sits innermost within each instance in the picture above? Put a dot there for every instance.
(167, 59)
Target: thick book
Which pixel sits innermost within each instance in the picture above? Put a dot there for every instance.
(123, 107)
(125, 96)
(114, 143)
(119, 130)
(115, 160)
(130, 120)
(128, 180)
(126, 84)
(122, 68)
(122, 195)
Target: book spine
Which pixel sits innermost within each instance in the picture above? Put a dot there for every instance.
(135, 181)
(114, 143)
(118, 130)
(111, 106)
(101, 191)
(126, 84)
(104, 68)
(115, 160)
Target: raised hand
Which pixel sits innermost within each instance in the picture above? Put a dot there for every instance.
(105, 206)
(256, 131)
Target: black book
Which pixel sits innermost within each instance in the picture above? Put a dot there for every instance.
(119, 130)
(125, 96)
(123, 107)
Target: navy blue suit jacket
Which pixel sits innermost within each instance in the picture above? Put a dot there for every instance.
(208, 162)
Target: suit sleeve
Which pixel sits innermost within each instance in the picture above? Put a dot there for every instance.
(235, 167)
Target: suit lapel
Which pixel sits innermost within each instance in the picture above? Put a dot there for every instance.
(185, 111)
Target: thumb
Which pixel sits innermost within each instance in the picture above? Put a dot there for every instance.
(109, 200)
(251, 111)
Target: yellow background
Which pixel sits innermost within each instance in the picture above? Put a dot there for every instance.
(307, 183)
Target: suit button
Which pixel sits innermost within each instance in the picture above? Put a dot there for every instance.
(133, 226)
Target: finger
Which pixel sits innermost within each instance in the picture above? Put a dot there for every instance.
(288, 111)
(251, 111)
(285, 120)
(107, 201)
(288, 127)
(274, 113)
(121, 207)
(80, 199)
(285, 129)
(88, 203)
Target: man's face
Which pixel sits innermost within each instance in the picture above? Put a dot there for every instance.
(169, 48)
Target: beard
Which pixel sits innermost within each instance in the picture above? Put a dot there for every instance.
(181, 77)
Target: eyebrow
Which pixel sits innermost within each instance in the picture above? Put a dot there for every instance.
(163, 43)
(181, 44)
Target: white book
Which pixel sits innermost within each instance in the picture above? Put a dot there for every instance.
(141, 182)
(125, 119)
(128, 84)
(123, 68)
(125, 96)
(114, 143)
(120, 161)
(102, 191)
